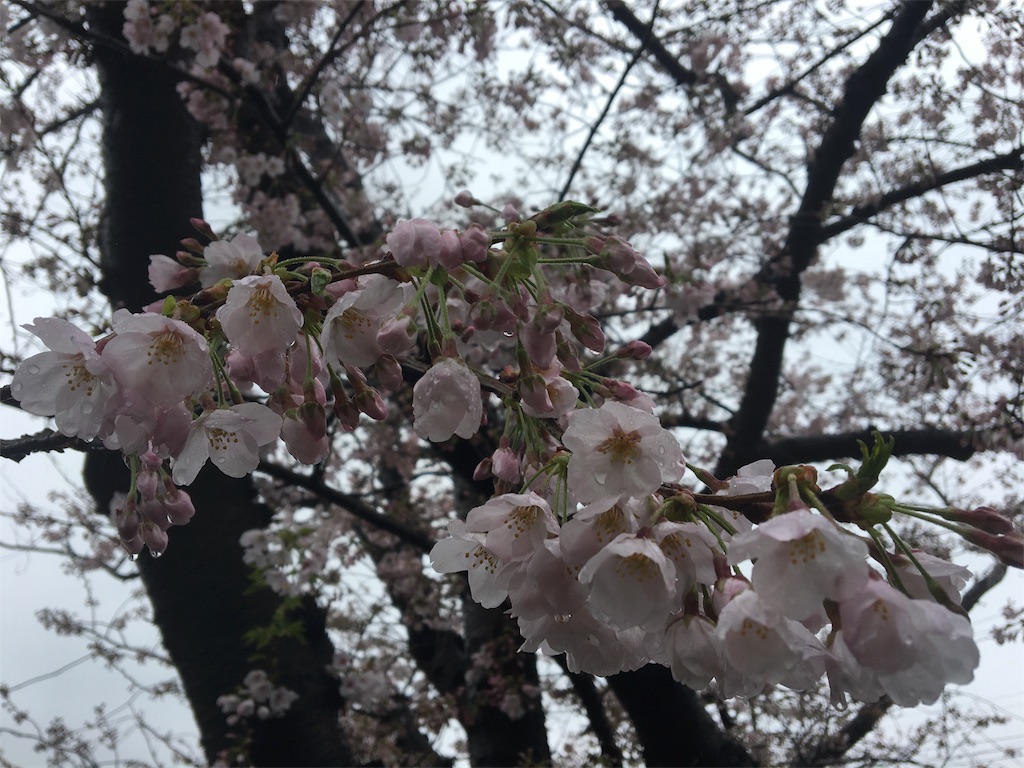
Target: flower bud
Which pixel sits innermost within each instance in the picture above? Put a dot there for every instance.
(155, 538)
(465, 199)
(389, 373)
(985, 518)
(1009, 549)
(635, 350)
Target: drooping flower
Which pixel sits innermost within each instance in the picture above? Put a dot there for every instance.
(259, 315)
(763, 647)
(631, 582)
(446, 402)
(231, 437)
(802, 559)
(71, 382)
(619, 450)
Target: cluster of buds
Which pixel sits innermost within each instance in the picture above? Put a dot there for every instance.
(602, 555)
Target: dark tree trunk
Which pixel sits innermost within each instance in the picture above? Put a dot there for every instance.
(202, 595)
(671, 724)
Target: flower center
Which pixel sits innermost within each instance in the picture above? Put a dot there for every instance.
(807, 548)
(167, 348)
(622, 447)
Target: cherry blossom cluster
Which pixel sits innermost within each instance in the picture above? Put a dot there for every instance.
(600, 552)
(622, 567)
(258, 697)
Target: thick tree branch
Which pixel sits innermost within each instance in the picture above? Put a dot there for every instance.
(954, 444)
(782, 272)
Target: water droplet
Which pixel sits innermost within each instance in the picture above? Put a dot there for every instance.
(221, 459)
(86, 408)
(507, 334)
(16, 388)
(661, 451)
(133, 556)
(33, 369)
(154, 553)
(600, 478)
(435, 405)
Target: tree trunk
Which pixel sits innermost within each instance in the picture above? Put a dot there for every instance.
(203, 599)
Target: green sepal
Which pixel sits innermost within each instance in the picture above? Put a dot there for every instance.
(560, 212)
(873, 462)
(319, 279)
(167, 308)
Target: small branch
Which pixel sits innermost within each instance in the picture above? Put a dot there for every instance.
(351, 504)
(590, 698)
(1008, 161)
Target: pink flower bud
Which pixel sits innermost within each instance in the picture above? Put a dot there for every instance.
(483, 470)
(533, 389)
(475, 241)
(147, 482)
(634, 350)
(397, 335)
(415, 242)
(465, 199)
(505, 463)
(1009, 549)
(127, 522)
(587, 330)
(389, 373)
(372, 404)
(155, 538)
(450, 255)
(179, 508)
(985, 518)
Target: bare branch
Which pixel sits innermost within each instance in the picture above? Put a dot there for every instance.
(1008, 161)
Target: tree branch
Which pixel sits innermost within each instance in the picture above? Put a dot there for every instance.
(782, 272)
(954, 444)
(1008, 161)
(351, 504)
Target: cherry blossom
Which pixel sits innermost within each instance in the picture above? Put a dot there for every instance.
(71, 381)
(465, 551)
(231, 437)
(763, 647)
(167, 274)
(631, 581)
(157, 360)
(446, 401)
(515, 524)
(259, 315)
(353, 322)
(802, 559)
(230, 259)
(617, 449)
